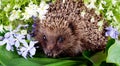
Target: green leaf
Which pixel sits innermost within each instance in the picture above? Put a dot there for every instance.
(109, 43)
(8, 58)
(64, 63)
(114, 53)
(98, 58)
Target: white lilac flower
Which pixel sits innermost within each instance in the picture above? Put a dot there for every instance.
(15, 14)
(1, 28)
(41, 17)
(42, 10)
(114, 2)
(16, 6)
(7, 8)
(26, 16)
(19, 27)
(92, 4)
(97, 12)
(30, 11)
(9, 27)
(28, 49)
(8, 40)
(112, 32)
(103, 2)
(109, 15)
(101, 7)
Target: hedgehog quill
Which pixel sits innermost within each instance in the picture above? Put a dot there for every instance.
(68, 31)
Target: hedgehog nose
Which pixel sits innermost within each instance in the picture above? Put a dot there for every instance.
(49, 53)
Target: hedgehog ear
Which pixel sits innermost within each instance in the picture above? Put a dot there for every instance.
(72, 27)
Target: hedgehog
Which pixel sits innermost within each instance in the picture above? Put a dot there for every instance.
(66, 32)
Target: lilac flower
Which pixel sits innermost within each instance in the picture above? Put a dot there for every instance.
(112, 32)
(28, 49)
(19, 39)
(18, 28)
(8, 40)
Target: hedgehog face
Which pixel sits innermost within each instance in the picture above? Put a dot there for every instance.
(55, 39)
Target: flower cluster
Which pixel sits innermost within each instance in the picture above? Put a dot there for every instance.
(13, 38)
(19, 39)
(33, 11)
(30, 11)
(112, 32)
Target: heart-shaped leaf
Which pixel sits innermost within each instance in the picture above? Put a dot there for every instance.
(114, 53)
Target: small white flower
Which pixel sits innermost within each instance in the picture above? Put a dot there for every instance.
(97, 12)
(28, 49)
(42, 10)
(9, 27)
(7, 8)
(42, 17)
(103, 2)
(109, 15)
(92, 4)
(16, 6)
(101, 7)
(100, 23)
(26, 16)
(15, 14)
(114, 2)
(30, 11)
(1, 28)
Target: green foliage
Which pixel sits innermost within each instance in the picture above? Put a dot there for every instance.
(114, 53)
(8, 58)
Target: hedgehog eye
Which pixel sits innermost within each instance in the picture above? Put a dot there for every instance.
(44, 38)
(60, 39)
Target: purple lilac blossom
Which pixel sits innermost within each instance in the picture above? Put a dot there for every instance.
(19, 39)
(28, 50)
(112, 32)
(14, 38)
(8, 40)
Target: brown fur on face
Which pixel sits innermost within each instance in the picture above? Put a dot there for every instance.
(65, 31)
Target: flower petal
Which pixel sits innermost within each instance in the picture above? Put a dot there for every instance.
(3, 42)
(17, 44)
(32, 51)
(24, 54)
(8, 47)
(32, 43)
(24, 43)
